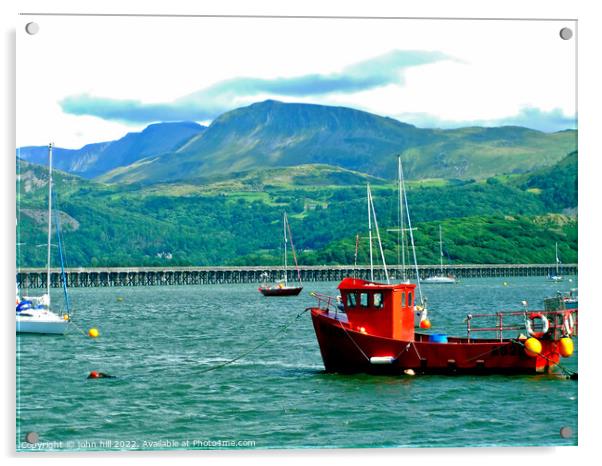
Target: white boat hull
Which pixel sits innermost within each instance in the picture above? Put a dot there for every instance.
(41, 322)
(439, 280)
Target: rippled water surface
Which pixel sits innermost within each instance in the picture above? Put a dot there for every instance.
(159, 342)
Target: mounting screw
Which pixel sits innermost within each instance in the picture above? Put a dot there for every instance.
(566, 432)
(566, 33)
(32, 28)
(32, 437)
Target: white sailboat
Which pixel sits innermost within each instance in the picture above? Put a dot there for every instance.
(557, 277)
(441, 278)
(33, 314)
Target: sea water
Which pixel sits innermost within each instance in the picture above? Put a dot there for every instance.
(161, 342)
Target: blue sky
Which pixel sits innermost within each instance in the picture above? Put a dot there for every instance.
(426, 73)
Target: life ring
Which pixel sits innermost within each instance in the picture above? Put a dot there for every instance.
(544, 321)
(568, 324)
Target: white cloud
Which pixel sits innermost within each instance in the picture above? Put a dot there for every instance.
(500, 67)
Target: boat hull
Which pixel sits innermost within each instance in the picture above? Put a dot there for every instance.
(48, 326)
(345, 350)
(286, 291)
(439, 280)
(40, 321)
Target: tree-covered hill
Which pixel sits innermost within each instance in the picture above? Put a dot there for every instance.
(237, 219)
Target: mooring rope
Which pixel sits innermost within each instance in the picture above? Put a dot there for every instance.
(82, 331)
(352, 340)
(263, 343)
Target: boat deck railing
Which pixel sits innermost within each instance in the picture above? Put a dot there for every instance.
(501, 322)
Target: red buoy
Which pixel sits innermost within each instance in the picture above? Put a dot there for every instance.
(94, 375)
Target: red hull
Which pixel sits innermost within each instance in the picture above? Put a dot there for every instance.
(349, 351)
(290, 291)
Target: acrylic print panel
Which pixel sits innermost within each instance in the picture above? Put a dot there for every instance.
(197, 159)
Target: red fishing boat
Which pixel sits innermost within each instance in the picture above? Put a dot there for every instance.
(370, 328)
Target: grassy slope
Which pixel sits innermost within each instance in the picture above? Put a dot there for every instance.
(238, 220)
(273, 134)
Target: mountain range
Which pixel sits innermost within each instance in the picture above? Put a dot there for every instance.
(98, 158)
(275, 134)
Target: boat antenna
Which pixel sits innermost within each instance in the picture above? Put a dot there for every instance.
(49, 220)
(357, 246)
(370, 233)
(405, 198)
(441, 249)
(380, 244)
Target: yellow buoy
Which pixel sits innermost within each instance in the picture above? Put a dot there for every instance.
(66, 317)
(425, 323)
(93, 332)
(532, 347)
(505, 283)
(119, 299)
(565, 347)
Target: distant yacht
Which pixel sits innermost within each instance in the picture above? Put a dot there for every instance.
(441, 278)
(282, 288)
(557, 277)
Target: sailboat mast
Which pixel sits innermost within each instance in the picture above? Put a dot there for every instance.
(380, 244)
(557, 261)
(285, 251)
(401, 221)
(405, 198)
(370, 234)
(49, 220)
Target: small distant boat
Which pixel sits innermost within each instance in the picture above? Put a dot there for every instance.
(33, 314)
(372, 331)
(282, 288)
(441, 278)
(557, 277)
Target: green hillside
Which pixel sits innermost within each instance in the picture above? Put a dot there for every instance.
(275, 134)
(237, 219)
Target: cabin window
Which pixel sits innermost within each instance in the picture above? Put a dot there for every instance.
(351, 300)
(410, 299)
(364, 299)
(403, 300)
(378, 300)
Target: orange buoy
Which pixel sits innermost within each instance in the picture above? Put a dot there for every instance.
(93, 333)
(565, 347)
(94, 375)
(425, 324)
(532, 347)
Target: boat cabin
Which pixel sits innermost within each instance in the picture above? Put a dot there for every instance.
(379, 309)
